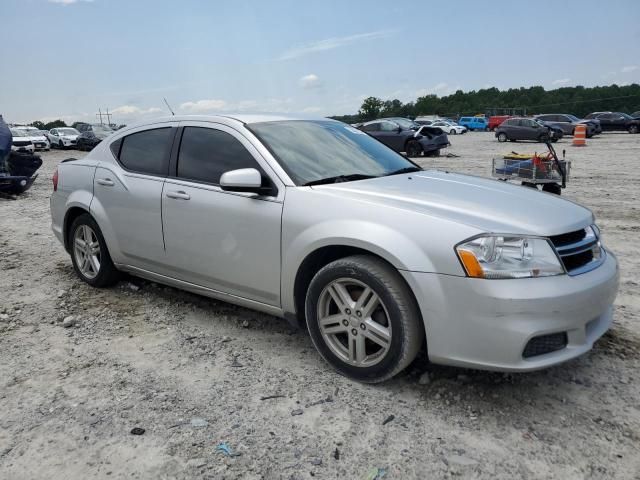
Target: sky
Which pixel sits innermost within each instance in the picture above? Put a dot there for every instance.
(68, 58)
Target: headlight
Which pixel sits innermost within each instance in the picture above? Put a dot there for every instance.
(500, 256)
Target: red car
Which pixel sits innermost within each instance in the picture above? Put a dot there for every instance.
(496, 120)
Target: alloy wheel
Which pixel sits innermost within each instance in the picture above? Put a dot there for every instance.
(354, 322)
(86, 249)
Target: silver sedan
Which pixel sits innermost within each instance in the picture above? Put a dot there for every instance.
(317, 222)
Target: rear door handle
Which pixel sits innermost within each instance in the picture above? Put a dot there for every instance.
(179, 195)
(107, 182)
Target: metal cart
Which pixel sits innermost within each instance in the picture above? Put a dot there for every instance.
(546, 170)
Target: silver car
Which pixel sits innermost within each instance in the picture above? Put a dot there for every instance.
(319, 223)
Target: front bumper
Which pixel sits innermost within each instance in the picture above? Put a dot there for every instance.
(486, 324)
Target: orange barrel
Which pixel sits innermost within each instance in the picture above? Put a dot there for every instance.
(580, 136)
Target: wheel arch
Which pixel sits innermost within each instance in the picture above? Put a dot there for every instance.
(72, 213)
(316, 260)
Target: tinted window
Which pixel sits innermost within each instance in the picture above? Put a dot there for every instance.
(372, 127)
(205, 154)
(388, 127)
(147, 151)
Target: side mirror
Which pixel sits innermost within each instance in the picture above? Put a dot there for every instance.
(241, 180)
(399, 129)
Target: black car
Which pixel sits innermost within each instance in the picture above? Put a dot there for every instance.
(91, 135)
(404, 135)
(568, 122)
(617, 122)
(514, 129)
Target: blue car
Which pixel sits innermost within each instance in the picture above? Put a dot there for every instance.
(474, 123)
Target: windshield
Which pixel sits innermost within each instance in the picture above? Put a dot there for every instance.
(313, 150)
(573, 118)
(625, 115)
(68, 131)
(17, 133)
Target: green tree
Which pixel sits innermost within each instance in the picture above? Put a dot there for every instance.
(38, 124)
(55, 124)
(371, 108)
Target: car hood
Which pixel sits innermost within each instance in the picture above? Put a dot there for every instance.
(489, 205)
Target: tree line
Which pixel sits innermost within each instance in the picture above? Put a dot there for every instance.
(517, 101)
(61, 123)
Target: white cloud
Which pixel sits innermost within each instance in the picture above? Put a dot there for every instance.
(129, 110)
(310, 81)
(629, 68)
(68, 2)
(312, 109)
(281, 105)
(561, 81)
(203, 105)
(331, 43)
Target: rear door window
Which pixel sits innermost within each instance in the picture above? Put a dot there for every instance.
(206, 153)
(147, 151)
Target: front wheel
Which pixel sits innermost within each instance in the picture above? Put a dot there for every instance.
(363, 319)
(502, 137)
(89, 254)
(413, 148)
(61, 145)
(453, 132)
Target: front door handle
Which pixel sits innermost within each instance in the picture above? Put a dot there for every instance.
(180, 195)
(107, 182)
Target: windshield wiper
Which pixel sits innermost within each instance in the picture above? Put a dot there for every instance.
(404, 170)
(338, 179)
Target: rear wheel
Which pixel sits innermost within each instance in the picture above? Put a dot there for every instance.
(502, 137)
(363, 318)
(89, 254)
(453, 132)
(413, 148)
(633, 129)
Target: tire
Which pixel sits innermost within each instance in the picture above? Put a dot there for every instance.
(633, 129)
(552, 188)
(395, 313)
(413, 148)
(453, 132)
(433, 153)
(502, 137)
(105, 274)
(543, 138)
(61, 145)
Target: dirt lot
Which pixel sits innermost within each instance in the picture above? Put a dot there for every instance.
(194, 372)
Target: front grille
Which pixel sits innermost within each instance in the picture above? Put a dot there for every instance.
(545, 344)
(579, 251)
(21, 143)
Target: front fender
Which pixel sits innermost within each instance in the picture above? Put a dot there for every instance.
(394, 247)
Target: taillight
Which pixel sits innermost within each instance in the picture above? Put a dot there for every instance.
(55, 180)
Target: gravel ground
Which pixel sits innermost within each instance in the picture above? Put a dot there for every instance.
(193, 372)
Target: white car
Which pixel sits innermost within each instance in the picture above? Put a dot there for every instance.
(448, 127)
(39, 140)
(21, 143)
(63, 137)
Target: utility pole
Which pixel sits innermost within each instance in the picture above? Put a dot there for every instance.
(107, 115)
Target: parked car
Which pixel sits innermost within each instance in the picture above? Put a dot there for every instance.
(450, 128)
(63, 137)
(474, 123)
(567, 123)
(618, 121)
(636, 114)
(21, 142)
(39, 140)
(313, 221)
(92, 136)
(496, 120)
(517, 128)
(401, 134)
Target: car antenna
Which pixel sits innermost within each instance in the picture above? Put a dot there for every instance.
(168, 106)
